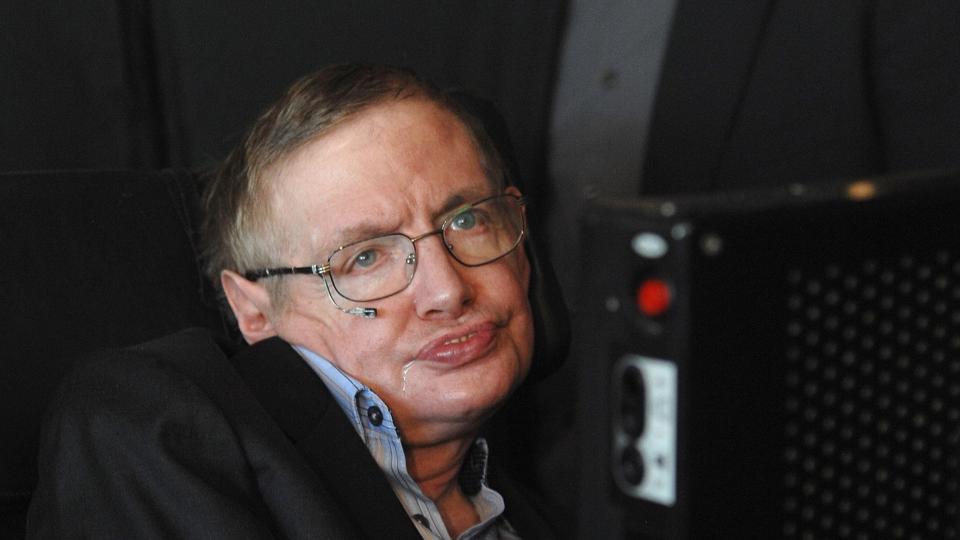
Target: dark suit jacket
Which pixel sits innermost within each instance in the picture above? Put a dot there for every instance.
(173, 440)
(776, 91)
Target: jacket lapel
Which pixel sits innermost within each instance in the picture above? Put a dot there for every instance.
(304, 409)
(710, 55)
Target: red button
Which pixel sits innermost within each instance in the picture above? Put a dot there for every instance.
(653, 297)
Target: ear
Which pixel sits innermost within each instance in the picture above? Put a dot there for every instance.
(251, 305)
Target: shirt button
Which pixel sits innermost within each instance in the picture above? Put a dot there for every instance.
(419, 518)
(375, 415)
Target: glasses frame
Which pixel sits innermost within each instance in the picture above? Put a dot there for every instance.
(324, 270)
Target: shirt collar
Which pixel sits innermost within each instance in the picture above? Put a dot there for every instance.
(373, 421)
(356, 399)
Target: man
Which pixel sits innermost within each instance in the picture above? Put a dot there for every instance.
(372, 256)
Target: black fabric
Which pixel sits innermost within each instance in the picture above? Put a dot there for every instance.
(75, 90)
(92, 259)
(168, 439)
(777, 91)
(140, 84)
(165, 440)
(221, 61)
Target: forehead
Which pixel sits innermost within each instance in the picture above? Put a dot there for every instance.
(390, 166)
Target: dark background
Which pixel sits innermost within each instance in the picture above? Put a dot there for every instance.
(136, 84)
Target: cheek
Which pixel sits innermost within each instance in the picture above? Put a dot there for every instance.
(520, 283)
(306, 322)
(525, 338)
(364, 348)
(523, 318)
(512, 293)
(509, 277)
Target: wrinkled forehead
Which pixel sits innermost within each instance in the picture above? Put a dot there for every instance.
(394, 165)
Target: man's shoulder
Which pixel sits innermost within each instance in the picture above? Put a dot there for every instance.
(145, 378)
(173, 418)
(175, 399)
(176, 356)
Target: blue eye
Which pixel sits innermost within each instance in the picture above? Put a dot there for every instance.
(366, 259)
(464, 221)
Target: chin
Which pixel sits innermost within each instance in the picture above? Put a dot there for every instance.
(482, 402)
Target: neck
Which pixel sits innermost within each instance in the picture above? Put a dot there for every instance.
(435, 469)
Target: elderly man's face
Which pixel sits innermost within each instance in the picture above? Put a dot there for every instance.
(402, 166)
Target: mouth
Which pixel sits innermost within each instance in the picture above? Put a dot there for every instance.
(461, 347)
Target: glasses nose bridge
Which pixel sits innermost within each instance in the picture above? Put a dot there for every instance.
(438, 232)
(435, 232)
(419, 237)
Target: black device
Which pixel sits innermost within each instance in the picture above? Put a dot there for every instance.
(773, 363)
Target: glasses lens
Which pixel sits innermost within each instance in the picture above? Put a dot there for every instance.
(372, 269)
(485, 231)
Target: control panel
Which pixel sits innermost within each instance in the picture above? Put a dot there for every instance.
(644, 460)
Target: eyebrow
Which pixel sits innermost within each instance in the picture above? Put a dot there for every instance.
(366, 229)
(457, 200)
(359, 231)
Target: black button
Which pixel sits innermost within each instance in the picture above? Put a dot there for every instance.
(419, 518)
(610, 79)
(375, 415)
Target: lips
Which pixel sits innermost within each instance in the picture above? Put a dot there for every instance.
(461, 347)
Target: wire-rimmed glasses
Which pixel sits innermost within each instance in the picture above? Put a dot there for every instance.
(372, 269)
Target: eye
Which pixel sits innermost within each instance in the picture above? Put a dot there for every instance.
(474, 220)
(464, 221)
(366, 258)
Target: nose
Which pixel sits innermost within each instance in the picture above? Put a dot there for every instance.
(440, 287)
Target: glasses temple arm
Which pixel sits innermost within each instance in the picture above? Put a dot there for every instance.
(316, 269)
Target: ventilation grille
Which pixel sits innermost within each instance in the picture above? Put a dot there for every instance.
(873, 399)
